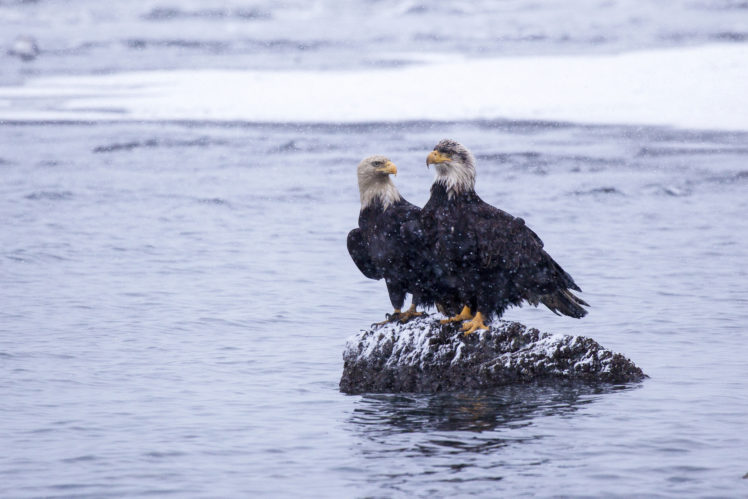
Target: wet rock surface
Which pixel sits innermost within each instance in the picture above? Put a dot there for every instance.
(425, 356)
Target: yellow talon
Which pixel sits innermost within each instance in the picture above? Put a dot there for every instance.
(390, 318)
(409, 314)
(466, 314)
(475, 324)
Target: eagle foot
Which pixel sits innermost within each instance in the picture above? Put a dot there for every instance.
(475, 324)
(465, 315)
(410, 314)
(394, 316)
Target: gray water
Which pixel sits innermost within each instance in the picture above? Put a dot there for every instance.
(176, 299)
(176, 296)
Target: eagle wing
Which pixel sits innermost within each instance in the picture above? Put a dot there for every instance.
(504, 240)
(505, 243)
(359, 251)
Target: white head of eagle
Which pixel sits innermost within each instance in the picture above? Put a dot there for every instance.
(454, 165)
(374, 183)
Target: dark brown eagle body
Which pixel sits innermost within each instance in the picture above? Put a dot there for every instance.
(490, 257)
(383, 247)
(388, 243)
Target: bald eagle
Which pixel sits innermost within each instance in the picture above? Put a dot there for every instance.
(492, 258)
(386, 243)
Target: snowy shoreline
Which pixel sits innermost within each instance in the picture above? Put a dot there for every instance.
(693, 87)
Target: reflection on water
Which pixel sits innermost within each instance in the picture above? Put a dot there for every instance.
(513, 406)
(461, 437)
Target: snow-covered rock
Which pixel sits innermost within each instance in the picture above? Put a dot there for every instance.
(425, 356)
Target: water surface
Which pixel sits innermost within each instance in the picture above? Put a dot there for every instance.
(176, 299)
(176, 295)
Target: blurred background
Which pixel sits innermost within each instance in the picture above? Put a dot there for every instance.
(83, 37)
(178, 180)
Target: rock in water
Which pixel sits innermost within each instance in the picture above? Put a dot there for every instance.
(425, 356)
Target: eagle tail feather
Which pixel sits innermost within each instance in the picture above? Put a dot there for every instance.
(565, 302)
(566, 279)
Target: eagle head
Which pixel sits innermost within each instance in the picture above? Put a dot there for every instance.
(374, 183)
(455, 166)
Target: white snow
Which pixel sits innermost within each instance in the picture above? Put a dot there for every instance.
(410, 343)
(395, 345)
(458, 354)
(692, 87)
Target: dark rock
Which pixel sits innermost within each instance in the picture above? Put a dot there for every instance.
(425, 356)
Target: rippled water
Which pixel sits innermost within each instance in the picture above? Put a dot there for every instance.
(176, 295)
(176, 299)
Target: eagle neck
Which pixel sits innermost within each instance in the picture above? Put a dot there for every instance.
(456, 180)
(453, 190)
(383, 193)
(440, 194)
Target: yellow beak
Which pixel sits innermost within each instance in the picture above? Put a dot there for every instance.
(436, 157)
(389, 168)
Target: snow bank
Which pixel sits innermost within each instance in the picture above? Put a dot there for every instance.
(691, 87)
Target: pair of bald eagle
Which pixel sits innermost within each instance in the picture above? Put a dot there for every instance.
(459, 253)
